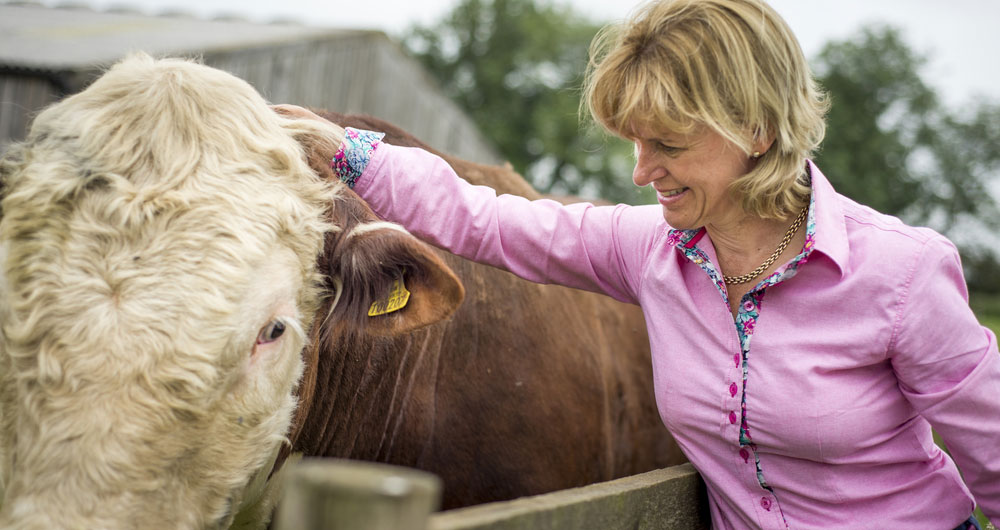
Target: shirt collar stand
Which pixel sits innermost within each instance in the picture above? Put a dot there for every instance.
(831, 230)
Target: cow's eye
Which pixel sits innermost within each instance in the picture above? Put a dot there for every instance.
(271, 332)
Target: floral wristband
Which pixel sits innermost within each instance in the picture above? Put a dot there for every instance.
(354, 154)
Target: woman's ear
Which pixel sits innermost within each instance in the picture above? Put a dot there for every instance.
(762, 141)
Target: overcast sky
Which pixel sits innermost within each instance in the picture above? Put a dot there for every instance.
(960, 36)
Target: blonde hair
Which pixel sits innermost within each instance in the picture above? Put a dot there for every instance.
(731, 65)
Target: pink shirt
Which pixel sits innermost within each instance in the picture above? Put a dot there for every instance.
(813, 410)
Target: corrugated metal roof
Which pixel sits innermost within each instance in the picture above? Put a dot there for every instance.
(42, 38)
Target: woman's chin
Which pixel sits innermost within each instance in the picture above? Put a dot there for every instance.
(678, 221)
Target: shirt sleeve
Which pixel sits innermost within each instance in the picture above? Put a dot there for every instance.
(584, 246)
(949, 369)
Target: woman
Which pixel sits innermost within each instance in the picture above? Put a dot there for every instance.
(852, 332)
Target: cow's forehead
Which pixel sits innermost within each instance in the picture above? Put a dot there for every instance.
(182, 295)
(153, 207)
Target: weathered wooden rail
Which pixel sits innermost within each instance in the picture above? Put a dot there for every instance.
(333, 494)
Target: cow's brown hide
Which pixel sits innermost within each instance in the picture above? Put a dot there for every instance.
(527, 388)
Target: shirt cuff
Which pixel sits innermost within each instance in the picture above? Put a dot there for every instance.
(354, 154)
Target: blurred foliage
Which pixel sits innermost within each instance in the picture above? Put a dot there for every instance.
(986, 306)
(516, 66)
(892, 144)
(982, 271)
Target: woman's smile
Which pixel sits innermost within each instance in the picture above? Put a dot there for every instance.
(668, 197)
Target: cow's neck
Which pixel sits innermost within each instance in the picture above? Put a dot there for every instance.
(374, 399)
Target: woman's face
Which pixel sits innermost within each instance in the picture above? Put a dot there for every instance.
(691, 174)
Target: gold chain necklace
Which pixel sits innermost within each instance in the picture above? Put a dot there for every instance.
(735, 280)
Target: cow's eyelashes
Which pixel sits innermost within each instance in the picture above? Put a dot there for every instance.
(271, 332)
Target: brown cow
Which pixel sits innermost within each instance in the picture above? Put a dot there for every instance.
(527, 389)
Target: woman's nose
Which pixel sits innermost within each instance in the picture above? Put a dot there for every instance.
(645, 170)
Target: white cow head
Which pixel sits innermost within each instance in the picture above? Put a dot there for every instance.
(158, 244)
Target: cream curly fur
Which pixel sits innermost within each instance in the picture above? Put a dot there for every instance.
(152, 226)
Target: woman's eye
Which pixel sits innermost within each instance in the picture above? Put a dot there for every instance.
(670, 149)
(271, 332)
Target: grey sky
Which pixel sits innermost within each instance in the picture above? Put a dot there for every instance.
(959, 35)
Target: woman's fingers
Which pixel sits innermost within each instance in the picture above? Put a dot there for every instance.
(295, 111)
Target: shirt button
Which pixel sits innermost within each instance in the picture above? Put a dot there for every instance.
(736, 359)
(732, 417)
(732, 389)
(765, 503)
(746, 456)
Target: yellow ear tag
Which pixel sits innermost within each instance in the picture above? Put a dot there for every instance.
(398, 296)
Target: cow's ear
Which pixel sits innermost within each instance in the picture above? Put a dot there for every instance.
(385, 281)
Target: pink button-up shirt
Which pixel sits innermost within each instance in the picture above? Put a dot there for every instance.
(813, 408)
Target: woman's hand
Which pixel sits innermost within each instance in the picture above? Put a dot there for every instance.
(296, 112)
(321, 140)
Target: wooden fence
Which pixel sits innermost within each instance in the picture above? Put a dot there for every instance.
(340, 494)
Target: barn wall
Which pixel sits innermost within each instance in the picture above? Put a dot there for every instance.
(21, 97)
(351, 72)
(360, 73)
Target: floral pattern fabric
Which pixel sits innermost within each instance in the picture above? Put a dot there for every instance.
(354, 154)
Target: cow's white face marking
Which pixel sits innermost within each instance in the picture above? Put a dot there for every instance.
(365, 228)
(271, 306)
(155, 227)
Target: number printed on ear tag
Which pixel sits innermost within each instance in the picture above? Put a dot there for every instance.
(398, 296)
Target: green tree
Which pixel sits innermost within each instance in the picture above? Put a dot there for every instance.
(892, 144)
(516, 67)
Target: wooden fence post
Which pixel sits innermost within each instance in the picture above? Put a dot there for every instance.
(334, 494)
